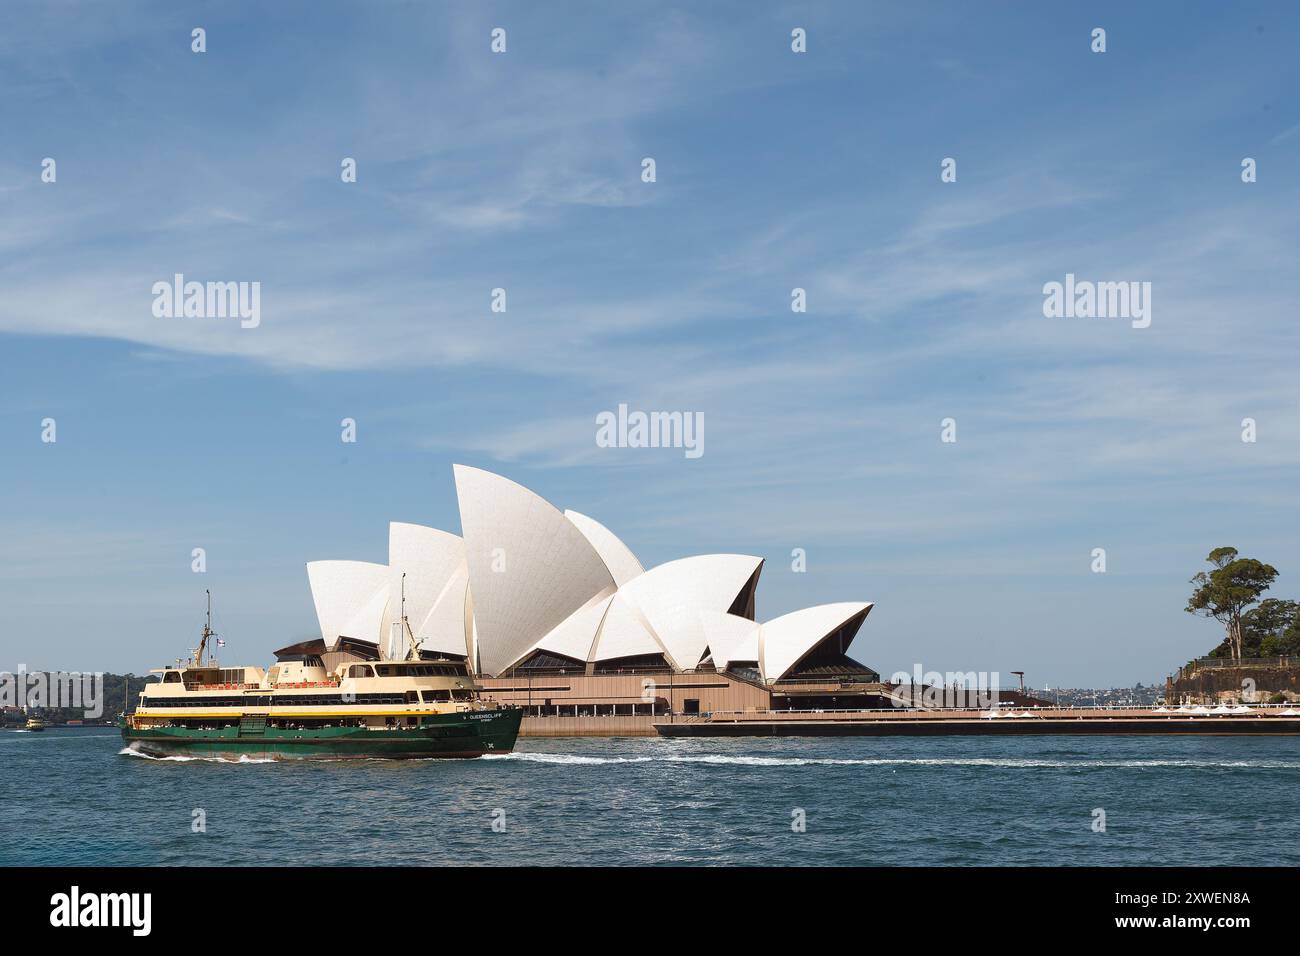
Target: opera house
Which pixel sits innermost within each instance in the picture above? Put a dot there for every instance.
(555, 614)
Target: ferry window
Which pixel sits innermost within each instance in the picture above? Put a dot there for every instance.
(461, 695)
(172, 677)
(441, 695)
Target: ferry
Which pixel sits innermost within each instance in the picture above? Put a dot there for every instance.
(34, 724)
(422, 705)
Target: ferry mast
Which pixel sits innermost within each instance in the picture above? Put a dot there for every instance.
(208, 632)
(412, 645)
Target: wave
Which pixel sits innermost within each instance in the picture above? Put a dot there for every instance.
(179, 758)
(1012, 762)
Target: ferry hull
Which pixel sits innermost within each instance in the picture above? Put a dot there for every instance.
(470, 734)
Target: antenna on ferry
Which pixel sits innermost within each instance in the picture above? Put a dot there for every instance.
(207, 632)
(413, 646)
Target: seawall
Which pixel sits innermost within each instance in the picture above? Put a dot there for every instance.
(621, 726)
(1213, 683)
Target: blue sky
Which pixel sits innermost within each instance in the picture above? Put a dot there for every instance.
(774, 170)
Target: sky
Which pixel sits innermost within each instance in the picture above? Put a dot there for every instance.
(774, 170)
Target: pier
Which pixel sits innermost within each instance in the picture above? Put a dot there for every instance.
(1219, 721)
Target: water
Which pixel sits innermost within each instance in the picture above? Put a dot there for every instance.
(69, 796)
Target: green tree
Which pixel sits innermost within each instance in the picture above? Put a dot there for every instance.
(1227, 591)
(1290, 638)
(1269, 630)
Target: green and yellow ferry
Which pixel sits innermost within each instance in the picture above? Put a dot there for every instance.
(362, 705)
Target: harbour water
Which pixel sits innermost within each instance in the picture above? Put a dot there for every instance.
(72, 797)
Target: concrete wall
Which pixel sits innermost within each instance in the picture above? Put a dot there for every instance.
(713, 691)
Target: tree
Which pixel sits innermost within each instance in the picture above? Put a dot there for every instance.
(1226, 592)
(1268, 630)
(1290, 638)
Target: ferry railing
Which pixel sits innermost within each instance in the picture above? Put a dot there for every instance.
(518, 673)
(292, 685)
(1282, 660)
(850, 679)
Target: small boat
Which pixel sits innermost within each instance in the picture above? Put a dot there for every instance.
(34, 724)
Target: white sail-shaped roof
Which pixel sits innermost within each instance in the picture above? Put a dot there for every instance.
(370, 622)
(575, 635)
(671, 596)
(444, 627)
(430, 559)
(618, 557)
(529, 566)
(626, 633)
(527, 577)
(731, 638)
(786, 640)
(340, 590)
